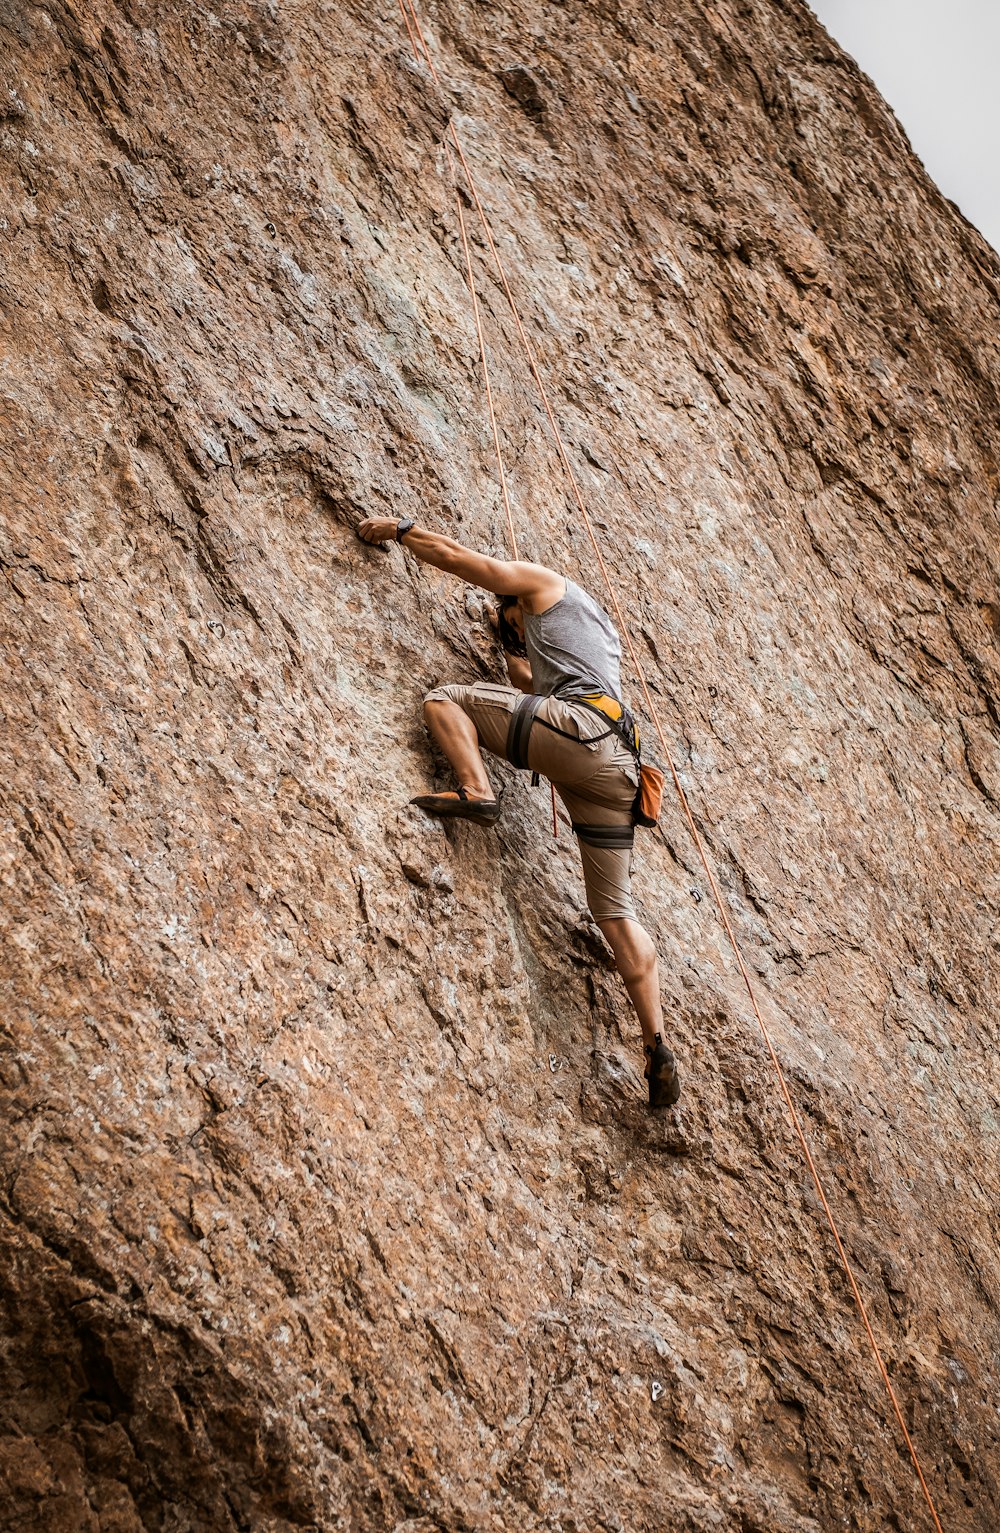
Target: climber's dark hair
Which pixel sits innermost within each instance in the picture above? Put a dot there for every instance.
(510, 639)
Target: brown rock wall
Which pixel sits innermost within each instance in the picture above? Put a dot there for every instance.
(329, 1199)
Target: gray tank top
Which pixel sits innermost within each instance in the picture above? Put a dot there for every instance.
(573, 647)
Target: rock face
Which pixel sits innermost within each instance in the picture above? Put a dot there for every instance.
(329, 1197)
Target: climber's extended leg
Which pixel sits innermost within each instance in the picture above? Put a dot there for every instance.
(600, 808)
(636, 961)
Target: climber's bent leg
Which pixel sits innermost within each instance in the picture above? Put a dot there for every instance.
(464, 721)
(456, 734)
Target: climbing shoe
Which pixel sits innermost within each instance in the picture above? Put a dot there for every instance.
(661, 1073)
(460, 806)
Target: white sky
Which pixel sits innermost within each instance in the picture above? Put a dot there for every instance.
(937, 63)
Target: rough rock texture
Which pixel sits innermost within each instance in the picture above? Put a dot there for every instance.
(329, 1200)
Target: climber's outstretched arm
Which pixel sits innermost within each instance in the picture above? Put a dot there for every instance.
(535, 585)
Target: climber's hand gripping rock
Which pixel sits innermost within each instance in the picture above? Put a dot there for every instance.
(379, 529)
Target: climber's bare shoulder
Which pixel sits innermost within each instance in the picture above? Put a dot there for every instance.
(536, 586)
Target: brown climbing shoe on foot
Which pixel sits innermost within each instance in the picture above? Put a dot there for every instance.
(460, 806)
(661, 1073)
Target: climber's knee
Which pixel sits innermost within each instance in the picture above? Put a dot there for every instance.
(489, 708)
(633, 947)
(442, 695)
(444, 714)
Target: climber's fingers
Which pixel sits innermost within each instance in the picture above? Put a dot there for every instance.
(378, 529)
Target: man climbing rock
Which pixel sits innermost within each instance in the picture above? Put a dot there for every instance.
(562, 716)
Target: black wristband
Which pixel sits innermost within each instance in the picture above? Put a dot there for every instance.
(403, 526)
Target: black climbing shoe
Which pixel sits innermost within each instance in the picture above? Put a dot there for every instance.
(661, 1072)
(459, 806)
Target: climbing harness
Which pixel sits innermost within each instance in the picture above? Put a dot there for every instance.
(525, 716)
(649, 793)
(415, 32)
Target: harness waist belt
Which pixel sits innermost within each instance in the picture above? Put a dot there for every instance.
(617, 715)
(525, 716)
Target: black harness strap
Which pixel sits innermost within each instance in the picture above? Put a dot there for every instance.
(613, 837)
(519, 730)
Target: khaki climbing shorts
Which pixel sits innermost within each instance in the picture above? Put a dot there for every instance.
(596, 780)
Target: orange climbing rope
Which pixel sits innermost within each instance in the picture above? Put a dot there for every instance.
(418, 41)
(482, 357)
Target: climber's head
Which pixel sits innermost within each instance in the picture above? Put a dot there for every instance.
(510, 625)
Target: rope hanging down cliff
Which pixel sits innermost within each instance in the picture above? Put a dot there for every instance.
(421, 50)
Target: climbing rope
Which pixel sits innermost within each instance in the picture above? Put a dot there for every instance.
(482, 356)
(420, 48)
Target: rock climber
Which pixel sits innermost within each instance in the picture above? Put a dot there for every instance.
(560, 647)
